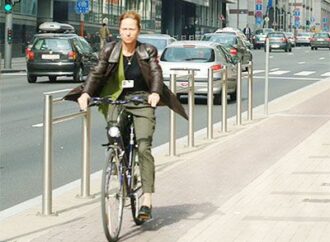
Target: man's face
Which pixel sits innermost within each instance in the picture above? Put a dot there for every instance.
(129, 30)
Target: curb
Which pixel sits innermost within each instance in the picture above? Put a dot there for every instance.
(12, 70)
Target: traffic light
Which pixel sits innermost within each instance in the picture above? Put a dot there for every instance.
(9, 36)
(8, 7)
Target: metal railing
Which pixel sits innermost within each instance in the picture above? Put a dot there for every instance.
(48, 122)
(210, 98)
(191, 105)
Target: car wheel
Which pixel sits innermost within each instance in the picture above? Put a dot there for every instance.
(286, 49)
(315, 48)
(217, 99)
(312, 48)
(31, 79)
(78, 76)
(290, 50)
(52, 78)
(233, 96)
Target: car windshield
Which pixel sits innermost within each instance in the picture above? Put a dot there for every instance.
(188, 54)
(160, 44)
(224, 39)
(304, 34)
(52, 44)
(321, 35)
(275, 35)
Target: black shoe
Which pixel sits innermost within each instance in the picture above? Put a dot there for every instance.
(144, 213)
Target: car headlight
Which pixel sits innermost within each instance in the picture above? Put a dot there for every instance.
(114, 132)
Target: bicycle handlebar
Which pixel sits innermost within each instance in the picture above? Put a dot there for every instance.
(96, 101)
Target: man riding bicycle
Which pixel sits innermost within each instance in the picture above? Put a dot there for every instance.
(125, 68)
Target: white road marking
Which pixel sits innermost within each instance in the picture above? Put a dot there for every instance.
(258, 71)
(289, 78)
(275, 69)
(326, 74)
(304, 73)
(322, 58)
(278, 72)
(302, 62)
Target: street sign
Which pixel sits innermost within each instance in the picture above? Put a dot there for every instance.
(258, 21)
(82, 6)
(296, 12)
(258, 14)
(259, 7)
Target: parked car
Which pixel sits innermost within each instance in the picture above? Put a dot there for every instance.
(320, 40)
(58, 51)
(303, 38)
(278, 40)
(201, 55)
(291, 38)
(160, 41)
(237, 32)
(258, 39)
(234, 43)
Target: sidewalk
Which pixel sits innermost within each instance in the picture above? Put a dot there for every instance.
(278, 187)
(18, 64)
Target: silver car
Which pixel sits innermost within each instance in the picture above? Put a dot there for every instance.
(199, 55)
(320, 40)
(160, 41)
(303, 38)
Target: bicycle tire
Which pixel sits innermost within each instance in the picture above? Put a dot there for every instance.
(112, 197)
(136, 187)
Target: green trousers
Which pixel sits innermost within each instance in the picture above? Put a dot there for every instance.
(144, 120)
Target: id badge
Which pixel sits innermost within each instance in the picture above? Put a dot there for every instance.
(128, 83)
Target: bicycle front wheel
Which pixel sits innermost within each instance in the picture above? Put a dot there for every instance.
(136, 189)
(112, 197)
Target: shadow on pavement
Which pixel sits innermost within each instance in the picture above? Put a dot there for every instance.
(165, 216)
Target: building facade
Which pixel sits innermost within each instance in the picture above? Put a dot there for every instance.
(184, 19)
(288, 15)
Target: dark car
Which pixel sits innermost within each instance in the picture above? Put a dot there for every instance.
(278, 40)
(60, 53)
(320, 40)
(235, 45)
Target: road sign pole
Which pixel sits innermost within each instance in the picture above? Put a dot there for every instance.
(82, 24)
(8, 44)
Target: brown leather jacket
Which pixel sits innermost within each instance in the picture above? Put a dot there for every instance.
(151, 71)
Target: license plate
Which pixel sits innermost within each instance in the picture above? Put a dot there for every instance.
(128, 83)
(320, 39)
(183, 84)
(50, 57)
(275, 46)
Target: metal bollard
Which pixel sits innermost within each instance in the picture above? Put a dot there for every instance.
(266, 76)
(224, 99)
(210, 104)
(239, 95)
(48, 157)
(191, 106)
(172, 144)
(86, 168)
(250, 91)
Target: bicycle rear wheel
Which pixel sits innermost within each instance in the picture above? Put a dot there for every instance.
(136, 188)
(112, 197)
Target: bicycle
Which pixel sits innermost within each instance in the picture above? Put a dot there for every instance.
(120, 177)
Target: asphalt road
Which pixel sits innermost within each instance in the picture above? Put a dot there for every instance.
(21, 107)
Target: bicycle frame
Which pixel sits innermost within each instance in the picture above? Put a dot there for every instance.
(128, 154)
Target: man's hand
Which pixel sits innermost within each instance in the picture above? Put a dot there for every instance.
(153, 99)
(83, 101)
